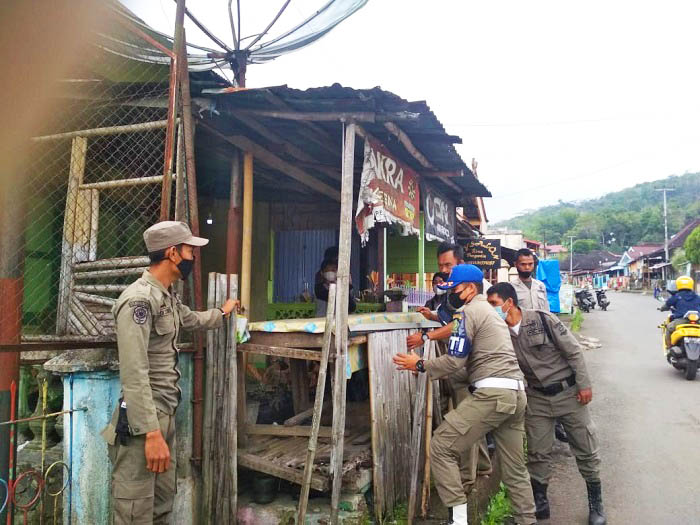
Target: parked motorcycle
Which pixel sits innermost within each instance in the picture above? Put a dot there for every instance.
(684, 352)
(582, 300)
(589, 298)
(603, 300)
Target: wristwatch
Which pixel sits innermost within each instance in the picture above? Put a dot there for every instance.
(222, 311)
(426, 338)
(420, 365)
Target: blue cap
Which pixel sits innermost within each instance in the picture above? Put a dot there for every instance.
(463, 273)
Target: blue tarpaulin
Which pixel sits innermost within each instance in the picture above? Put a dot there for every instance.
(548, 273)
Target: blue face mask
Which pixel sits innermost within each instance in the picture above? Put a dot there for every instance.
(501, 313)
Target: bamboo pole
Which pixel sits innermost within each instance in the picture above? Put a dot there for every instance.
(341, 319)
(94, 225)
(122, 183)
(117, 262)
(246, 252)
(110, 130)
(318, 406)
(121, 272)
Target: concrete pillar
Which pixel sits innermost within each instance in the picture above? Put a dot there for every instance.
(90, 381)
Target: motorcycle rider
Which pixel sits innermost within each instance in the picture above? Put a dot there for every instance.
(680, 303)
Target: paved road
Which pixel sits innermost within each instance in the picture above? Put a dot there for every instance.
(648, 419)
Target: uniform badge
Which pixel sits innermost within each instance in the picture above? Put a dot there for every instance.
(139, 311)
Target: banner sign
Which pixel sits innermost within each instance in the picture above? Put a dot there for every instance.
(388, 193)
(439, 215)
(484, 253)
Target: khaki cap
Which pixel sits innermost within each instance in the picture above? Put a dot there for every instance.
(165, 234)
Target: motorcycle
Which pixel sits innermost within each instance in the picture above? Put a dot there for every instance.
(684, 352)
(589, 298)
(603, 301)
(583, 301)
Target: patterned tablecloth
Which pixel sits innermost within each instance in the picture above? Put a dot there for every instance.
(356, 323)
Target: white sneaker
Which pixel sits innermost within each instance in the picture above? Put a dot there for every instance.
(459, 515)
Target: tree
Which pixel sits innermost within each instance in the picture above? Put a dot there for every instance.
(692, 246)
(585, 245)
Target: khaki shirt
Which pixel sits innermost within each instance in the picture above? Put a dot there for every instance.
(533, 298)
(492, 353)
(543, 361)
(148, 318)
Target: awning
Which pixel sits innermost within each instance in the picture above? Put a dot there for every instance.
(659, 265)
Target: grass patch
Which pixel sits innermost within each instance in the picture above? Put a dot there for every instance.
(499, 508)
(576, 321)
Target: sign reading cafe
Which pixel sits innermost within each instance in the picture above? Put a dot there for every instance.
(439, 215)
(388, 193)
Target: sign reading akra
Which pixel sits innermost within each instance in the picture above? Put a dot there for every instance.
(388, 193)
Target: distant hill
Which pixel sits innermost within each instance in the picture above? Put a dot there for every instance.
(616, 220)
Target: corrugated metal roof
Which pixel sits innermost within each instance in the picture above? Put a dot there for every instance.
(420, 124)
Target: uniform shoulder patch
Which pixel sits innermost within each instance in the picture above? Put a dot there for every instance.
(139, 310)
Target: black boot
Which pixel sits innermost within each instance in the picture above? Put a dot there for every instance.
(596, 514)
(539, 491)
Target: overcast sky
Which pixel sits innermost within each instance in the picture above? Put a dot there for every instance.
(556, 100)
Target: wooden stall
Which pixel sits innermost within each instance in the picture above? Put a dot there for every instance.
(387, 432)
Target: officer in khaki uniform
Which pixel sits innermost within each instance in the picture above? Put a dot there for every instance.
(558, 387)
(476, 461)
(532, 294)
(496, 402)
(141, 434)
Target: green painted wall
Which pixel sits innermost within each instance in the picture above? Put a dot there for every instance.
(402, 255)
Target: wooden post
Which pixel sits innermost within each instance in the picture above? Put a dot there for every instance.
(428, 435)
(246, 255)
(318, 406)
(180, 185)
(421, 253)
(381, 259)
(419, 411)
(75, 179)
(234, 226)
(209, 398)
(231, 378)
(246, 252)
(341, 323)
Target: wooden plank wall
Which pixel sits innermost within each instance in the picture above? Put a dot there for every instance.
(391, 406)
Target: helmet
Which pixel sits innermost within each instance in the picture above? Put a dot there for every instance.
(685, 283)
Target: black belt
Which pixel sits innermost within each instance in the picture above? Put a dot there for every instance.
(556, 388)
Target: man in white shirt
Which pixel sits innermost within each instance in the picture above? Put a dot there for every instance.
(532, 294)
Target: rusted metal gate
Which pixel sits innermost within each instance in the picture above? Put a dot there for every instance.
(35, 492)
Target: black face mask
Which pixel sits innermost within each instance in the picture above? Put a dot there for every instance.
(524, 275)
(185, 266)
(455, 300)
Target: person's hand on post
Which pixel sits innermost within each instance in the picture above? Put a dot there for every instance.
(406, 361)
(584, 396)
(231, 305)
(414, 341)
(157, 452)
(426, 312)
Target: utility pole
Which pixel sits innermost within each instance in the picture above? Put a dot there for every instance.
(665, 190)
(571, 257)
